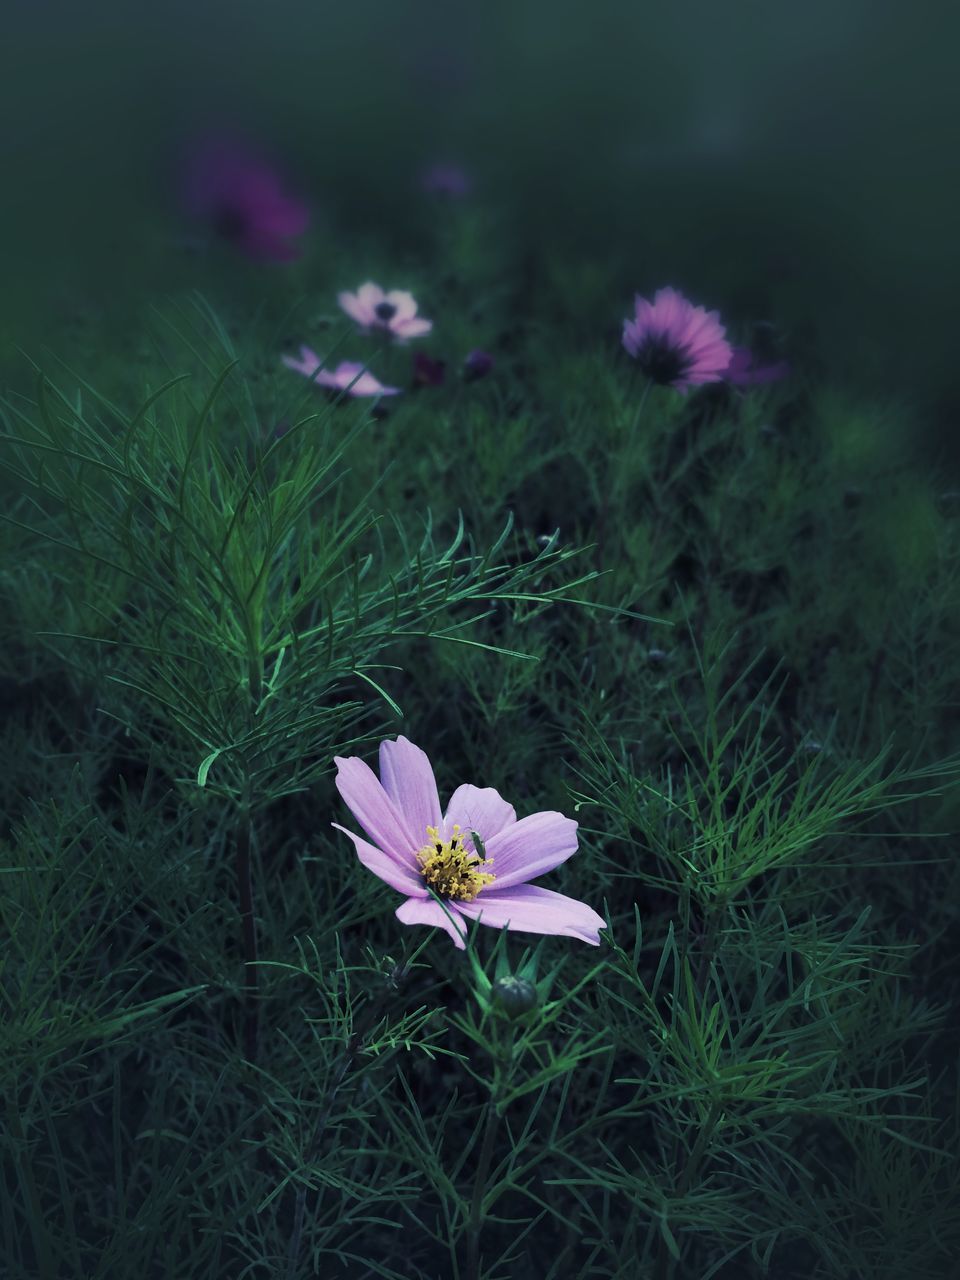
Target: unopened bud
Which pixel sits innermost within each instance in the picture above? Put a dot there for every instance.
(515, 996)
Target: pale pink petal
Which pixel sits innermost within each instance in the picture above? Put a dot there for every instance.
(429, 911)
(528, 848)
(374, 810)
(308, 363)
(414, 328)
(531, 909)
(368, 385)
(408, 780)
(356, 309)
(481, 809)
(398, 873)
(404, 304)
(370, 295)
(352, 377)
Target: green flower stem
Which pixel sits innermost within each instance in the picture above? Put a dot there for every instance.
(248, 928)
(243, 846)
(502, 1055)
(663, 1267)
(475, 1221)
(714, 912)
(618, 483)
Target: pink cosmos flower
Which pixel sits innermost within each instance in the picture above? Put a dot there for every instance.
(394, 313)
(243, 200)
(743, 372)
(446, 180)
(676, 343)
(349, 375)
(416, 848)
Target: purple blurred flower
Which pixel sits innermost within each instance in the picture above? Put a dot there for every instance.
(349, 375)
(446, 180)
(417, 849)
(243, 200)
(477, 365)
(743, 372)
(676, 343)
(394, 313)
(428, 372)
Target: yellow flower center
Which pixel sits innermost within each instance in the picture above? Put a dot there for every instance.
(451, 869)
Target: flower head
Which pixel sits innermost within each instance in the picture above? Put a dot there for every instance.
(477, 857)
(349, 376)
(675, 343)
(446, 180)
(394, 312)
(743, 371)
(243, 200)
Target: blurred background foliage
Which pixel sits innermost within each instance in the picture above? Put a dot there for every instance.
(786, 164)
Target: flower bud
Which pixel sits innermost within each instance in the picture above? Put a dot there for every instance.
(477, 365)
(515, 996)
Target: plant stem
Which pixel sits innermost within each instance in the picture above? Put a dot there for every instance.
(476, 1219)
(248, 928)
(662, 1268)
(714, 912)
(243, 845)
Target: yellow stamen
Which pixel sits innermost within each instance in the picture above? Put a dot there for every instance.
(452, 870)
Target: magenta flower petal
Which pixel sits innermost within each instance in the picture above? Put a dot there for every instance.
(481, 809)
(244, 201)
(528, 848)
(743, 372)
(408, 780)
(676, 343)
(530, 909)
(400, 874)
(429, 911)
(380, 818)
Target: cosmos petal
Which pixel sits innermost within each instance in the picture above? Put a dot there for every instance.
(404, 304)
(530, 909)
(530, 847)
(407, 777)
(429, 911)
(675, 342)
(413, 328)
(355, 308)
(374, 810)
(481, 809)
(396, 872)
